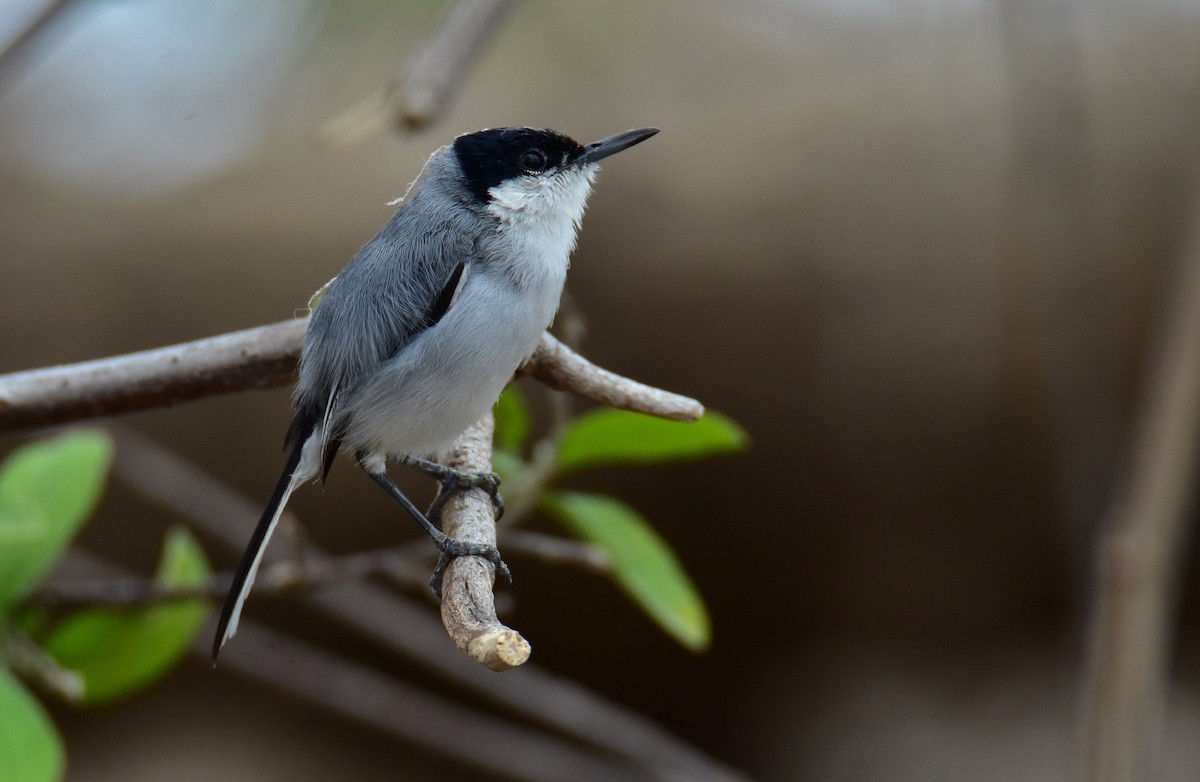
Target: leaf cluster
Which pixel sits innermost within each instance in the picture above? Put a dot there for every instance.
(48, 489)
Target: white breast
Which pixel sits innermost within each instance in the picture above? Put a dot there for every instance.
(451, 374)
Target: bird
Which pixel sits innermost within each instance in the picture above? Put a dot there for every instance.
(413, 341)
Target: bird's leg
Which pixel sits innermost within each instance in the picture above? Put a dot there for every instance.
(448, 547)
(452, 480)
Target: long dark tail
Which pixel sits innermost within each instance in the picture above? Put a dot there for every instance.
(244, 577)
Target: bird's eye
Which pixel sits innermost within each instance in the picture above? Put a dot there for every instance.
(533, 161)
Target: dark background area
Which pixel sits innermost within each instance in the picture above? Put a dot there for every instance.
(919, 250)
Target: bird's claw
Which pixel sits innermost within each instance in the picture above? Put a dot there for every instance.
(454, 480)
(449, 549)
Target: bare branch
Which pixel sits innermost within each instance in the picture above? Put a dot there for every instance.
(421, 94)
(256, 358)
(559, 367)
(1138, 560)
(468, 606)
(260, 358)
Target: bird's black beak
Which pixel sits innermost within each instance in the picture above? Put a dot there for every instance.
(598, 150)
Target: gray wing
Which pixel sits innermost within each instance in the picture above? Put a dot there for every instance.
(399, 284)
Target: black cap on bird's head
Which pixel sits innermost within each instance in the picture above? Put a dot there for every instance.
(489, 157)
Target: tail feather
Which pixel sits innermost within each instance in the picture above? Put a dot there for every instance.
(243, 578)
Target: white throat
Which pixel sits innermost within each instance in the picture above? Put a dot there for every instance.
(540, 217)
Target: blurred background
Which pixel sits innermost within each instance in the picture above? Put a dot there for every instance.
(921, 250)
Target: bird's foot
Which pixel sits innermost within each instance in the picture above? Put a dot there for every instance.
(452, 480)
(451, 548)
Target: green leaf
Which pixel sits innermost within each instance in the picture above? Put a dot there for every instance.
(620, 437)
(642, 563)
(31, 749)
(119, 652)
(47, 490)
(512, 420)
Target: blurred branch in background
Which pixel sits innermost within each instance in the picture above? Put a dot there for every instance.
(12, 50)
(421, 93)
(407, 630)
(282, 577)
(1138, 560)
(260, 358)
(299, 670)
(478, 741)
(406, 564)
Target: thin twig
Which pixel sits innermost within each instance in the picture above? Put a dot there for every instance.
(284, 576)
(468, 606)
(553, 550)
(132, 592)
(21, 654)
(1138, 560)
(261, 358)
(407, 563)
(422, 92)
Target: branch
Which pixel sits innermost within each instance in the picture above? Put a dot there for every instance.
(422, 92)
(18, 44)
(22, 655)
(559, 367)
(261, 358)
(468, 607)
(1137, 567)
(256, 358)
(406, 564)
(284, 576)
